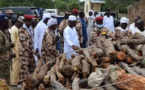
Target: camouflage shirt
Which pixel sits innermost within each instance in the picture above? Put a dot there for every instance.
(49, 51)
(4, 47)
(79, 31)
(101, 33)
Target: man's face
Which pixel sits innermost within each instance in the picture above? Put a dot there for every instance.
(75, 14)
(90, 13)
(108, 13)
(99, 22)
(28, 23)
(72, 23)
(9, 15)
(53, 27)
(123, 25)
(66, 16)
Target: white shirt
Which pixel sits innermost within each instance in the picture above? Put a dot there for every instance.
(108, 22)
(133, 28)
(39, 34)
(141, 32)
(70, 39)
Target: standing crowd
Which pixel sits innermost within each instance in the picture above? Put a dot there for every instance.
(25, 42)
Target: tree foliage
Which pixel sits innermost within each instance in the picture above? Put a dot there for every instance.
(73, 5)
(117, 5)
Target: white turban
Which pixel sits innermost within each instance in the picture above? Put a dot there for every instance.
(72, 18)
(124, 20)
(51, 22)
(91, 17)
(46, 15)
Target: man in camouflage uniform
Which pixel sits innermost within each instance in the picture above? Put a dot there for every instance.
(49, 51)
(5, 48)
(78, 26)
(62, 26)
(27, 62)
(9, 15)
(98, 32)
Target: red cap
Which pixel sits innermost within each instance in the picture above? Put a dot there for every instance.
(99, 18)
(29, 17)
(75, 10)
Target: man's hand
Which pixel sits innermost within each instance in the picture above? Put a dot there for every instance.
(75, 47)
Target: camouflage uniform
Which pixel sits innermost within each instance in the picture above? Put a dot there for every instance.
(62, 26)
(79, 31)
(102, 33)
(49, 51)
(4, 56)
(27, 61)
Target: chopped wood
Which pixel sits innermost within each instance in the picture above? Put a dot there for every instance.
(86, 69)
(75, 84)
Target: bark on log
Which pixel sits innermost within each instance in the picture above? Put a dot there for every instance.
(131, 53)
(58, 74)
(68, 83)
(111, 87)
(62, 61)
(76, 61)
(56, 85)
(38, 67)
(117, 56)
(105, 59)
(140, 71)
(129, 70)
(127, 81)
(42, 72)
(138, 47)
(92, 61)
(86, 68)
(132, 41)
(75, 84)
(97, 52)
(68, 70)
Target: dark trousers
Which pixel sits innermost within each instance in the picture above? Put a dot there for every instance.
(84, 44)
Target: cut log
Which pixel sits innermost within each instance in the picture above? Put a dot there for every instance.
(140, 71)
(108, 47)
(56, 85)
(129, 70)
(68, 83)
(75, 84)
(127, 81)
(110, 87)
(105, 59)
(68, 70)
(62, 61)
(53, 76)
(37, 69)
(92, 61)
(58, 74)
(131, 53)
(117, 56)
(76, 61)
(129, 59)
(75, 75)
(132, 41)
(86, 69)
(138, 47)
(97, 52)
(42, 72)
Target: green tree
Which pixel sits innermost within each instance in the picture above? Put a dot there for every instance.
(61, 5)
(73, 5)
(117, 5)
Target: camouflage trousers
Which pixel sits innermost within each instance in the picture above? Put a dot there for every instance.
(5, 70)
(27, 66)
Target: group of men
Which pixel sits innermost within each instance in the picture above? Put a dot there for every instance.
(28, 41)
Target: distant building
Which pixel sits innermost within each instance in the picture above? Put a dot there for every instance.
(94, 5)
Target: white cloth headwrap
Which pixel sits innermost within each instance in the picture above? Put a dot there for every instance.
(46, 15)
(91, 17)
(124, 20)
(72, 18)
(51, 22)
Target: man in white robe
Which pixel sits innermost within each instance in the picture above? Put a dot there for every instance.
(133, 26)
(39, 32)
(140, 26)
(108, 21)
(70, 37)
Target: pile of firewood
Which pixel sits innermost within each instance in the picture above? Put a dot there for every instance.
(111, 65)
